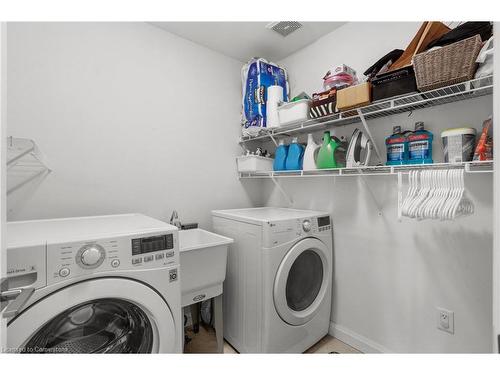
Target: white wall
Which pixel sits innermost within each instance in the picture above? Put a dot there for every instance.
(3, 160)
(496, 200)
(390, 276)
(131, 118)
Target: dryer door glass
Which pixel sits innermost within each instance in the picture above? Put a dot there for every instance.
(100, 326)
(304, 280)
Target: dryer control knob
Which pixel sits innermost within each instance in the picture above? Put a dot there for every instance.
(92, 255)
(306, 225)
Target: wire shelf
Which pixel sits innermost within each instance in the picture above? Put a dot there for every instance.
(378, 170)
(462, 91)
(25, 162)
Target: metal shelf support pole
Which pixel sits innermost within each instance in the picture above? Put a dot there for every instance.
(244, 147)
(281, 190)
(271, 135)
(367, 129)
(14, 161)
(29, 179)
(374, 198)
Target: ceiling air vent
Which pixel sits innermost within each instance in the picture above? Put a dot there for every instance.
(284, 28)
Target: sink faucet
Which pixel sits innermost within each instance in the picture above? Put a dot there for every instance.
(174, 219)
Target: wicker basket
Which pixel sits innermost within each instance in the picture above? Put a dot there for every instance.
(448, 65)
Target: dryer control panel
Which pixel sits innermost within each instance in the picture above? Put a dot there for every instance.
(142, 251)
(287, 230)
(313, 225)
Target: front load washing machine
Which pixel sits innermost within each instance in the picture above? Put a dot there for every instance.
(106, 284)
(277, 292)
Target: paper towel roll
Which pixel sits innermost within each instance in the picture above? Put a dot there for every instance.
(274, 94)
(274, 98)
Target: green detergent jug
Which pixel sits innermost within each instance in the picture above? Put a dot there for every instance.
(331, 152)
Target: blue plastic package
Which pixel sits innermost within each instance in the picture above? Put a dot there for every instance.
(257, 75)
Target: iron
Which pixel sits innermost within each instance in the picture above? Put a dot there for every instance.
(358, 142)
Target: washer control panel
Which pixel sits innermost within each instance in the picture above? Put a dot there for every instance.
(142, 251)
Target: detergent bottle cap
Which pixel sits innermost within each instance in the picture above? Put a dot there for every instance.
(295, 139)
(326, 137)
(281, 142)
(419, 125)
(396, 129)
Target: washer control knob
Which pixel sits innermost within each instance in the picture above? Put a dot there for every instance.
(306, 225)
(115, 263)
(63, 272)
(90, 256)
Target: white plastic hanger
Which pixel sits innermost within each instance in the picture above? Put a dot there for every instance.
(436, 194)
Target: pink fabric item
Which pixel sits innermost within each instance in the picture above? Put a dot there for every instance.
(338, 81)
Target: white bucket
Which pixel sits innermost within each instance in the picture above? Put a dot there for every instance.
(458, 144)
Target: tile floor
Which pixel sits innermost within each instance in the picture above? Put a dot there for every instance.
(204, 342)
(329, 344)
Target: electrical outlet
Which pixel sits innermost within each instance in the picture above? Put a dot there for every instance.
(446, 320)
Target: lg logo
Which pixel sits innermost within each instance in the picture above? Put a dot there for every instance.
(199, 297)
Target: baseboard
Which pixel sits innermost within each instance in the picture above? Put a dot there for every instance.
(356, 340)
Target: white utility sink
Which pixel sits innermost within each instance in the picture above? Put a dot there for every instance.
(203, 264)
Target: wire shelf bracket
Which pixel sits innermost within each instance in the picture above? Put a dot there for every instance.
(369, 133)
(25, 163)
(287, 197)
(373, 196)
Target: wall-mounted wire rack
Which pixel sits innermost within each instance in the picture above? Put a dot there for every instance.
(25, 162)
(379, 170)
(462, 91)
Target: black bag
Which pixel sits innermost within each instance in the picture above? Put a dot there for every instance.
(464, 31)
(375, 68)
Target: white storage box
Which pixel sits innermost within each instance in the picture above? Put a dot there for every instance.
(254, 163)
(294, 111)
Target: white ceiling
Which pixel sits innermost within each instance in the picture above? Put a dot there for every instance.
(244, 40)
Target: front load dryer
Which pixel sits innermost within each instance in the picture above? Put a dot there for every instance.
(277, 292)
(106, 284)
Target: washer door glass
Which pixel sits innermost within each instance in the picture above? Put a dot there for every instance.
(304, 280)
(99, 326)
(103, 315)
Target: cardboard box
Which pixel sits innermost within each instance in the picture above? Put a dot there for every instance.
(354, 96)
